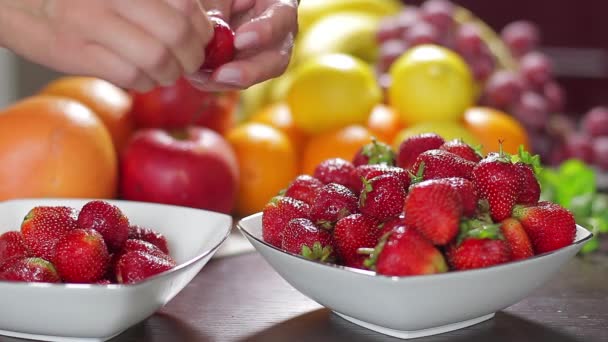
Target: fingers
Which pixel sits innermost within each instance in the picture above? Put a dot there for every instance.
(268, 28)
(220, 8)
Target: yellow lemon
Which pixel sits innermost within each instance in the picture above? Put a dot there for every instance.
(332, 91)
(448, 130)
(431, 83)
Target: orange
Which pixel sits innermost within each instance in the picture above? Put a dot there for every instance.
(279, 116)
(343, 143)
(384, 123)
(267, 164)
(55, 147)
(109, 102)
(491, 125)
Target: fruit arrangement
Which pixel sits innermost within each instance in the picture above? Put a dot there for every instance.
(95, 244)
(431, 206)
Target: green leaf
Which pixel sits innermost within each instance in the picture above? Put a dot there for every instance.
(581, 206)
(590, 246)
(573, 178)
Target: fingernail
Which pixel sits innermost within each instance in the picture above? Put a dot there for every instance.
(229, 76)
(246, 39)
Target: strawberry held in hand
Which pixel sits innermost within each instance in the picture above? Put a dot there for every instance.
(220, 49)
(43, 226)
(302, 237)
(108, 220)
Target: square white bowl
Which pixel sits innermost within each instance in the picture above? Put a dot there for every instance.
(83, 312)
(416, 306)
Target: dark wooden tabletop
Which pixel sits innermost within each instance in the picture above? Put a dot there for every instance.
(241, 298)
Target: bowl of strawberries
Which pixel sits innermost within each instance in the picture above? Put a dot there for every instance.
(87, 269)
(427, 239)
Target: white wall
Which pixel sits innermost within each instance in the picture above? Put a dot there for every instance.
(8, 77)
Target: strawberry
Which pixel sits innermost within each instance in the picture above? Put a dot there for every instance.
(304, 188)
(351, 233)
(143, 246)
(499, 182)
(31, 270)
(12, 247)
(517, 239)
(549, 225)
(108, 220)
(435, 164)
(412, 147)
(434, 208)
(370, 171)
(468, 194)
(336, 170)
(461, 149)
(302, 237)
(333, 202)
(405, 252)
(81, 256)
(148, 235)
(392, 223)
(277, 213)
(479, 245)
(220, 49)
(375, 153)
(43, 226)
(528, 166)
(382, 197)
(135, 266)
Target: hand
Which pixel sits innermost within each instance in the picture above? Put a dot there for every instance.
(265, 31)
(137, 44)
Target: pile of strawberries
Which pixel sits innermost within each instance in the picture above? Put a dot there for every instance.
(430, 207)
(95, 244)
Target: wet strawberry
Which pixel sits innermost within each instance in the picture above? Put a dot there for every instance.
(468, 194)
(530, 187)
(375, 153)
(108, 220)
(392, 223)
(81, 256)
(436, 164)
(549, 225)
(220, 49)
(434, 208)
(517, 239)
(302, 237)
(336, 170)
(149, 235)
(351, 233)
(412, 147)
(31, 270)
(479, 245)
(43, 226)
(382, 197)
(277, 213)
(370, 171)
(333, 202)
(11, 247)
(135, 266)
(304, 188)
(461, 149)
(143, 246)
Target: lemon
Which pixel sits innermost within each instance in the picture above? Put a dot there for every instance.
(448, 130)
(431, 83)
(332, 91)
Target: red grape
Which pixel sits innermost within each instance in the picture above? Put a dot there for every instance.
(388, 29)
(389, 52)
(561, 126)
(595, 122)
(542, 144)
(503, 88)
(468, 39)
(521, 37)
(439, 13)
(407, 19)
(536, 68)
(555, 96)
(421, 33)
(532, 110)
(578, 145)
(600, 152)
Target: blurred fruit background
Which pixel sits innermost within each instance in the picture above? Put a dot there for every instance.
(475, 70)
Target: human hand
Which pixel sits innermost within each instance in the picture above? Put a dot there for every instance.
(265, 31)
(136, 44)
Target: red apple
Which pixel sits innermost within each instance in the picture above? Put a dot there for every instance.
(181, 105)
(194, 167)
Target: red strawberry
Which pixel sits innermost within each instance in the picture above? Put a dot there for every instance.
(530, 187)
(135, 266)
(370, 171)
(468, 194)
(351, 233)
(435, 164)
(277, 213)
(149, 235)
(405, 252)
(103, 282)
(517, 239)
(392, 223)
(108, 220)
(461, 149)
(434, 208)
(81, 256)
(43, 226)
(143, 246)
(12, 247)
(220, 49)
(333, 202)
(31, 270)
(375, 152)
(302, 237)
(479, 245)
(382, 197)
(304, 188)
(499, 182)
(548, 225)
(412, 147)
(336, 170)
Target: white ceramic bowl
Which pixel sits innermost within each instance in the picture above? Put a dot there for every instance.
(410, 307)
(82, 312)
